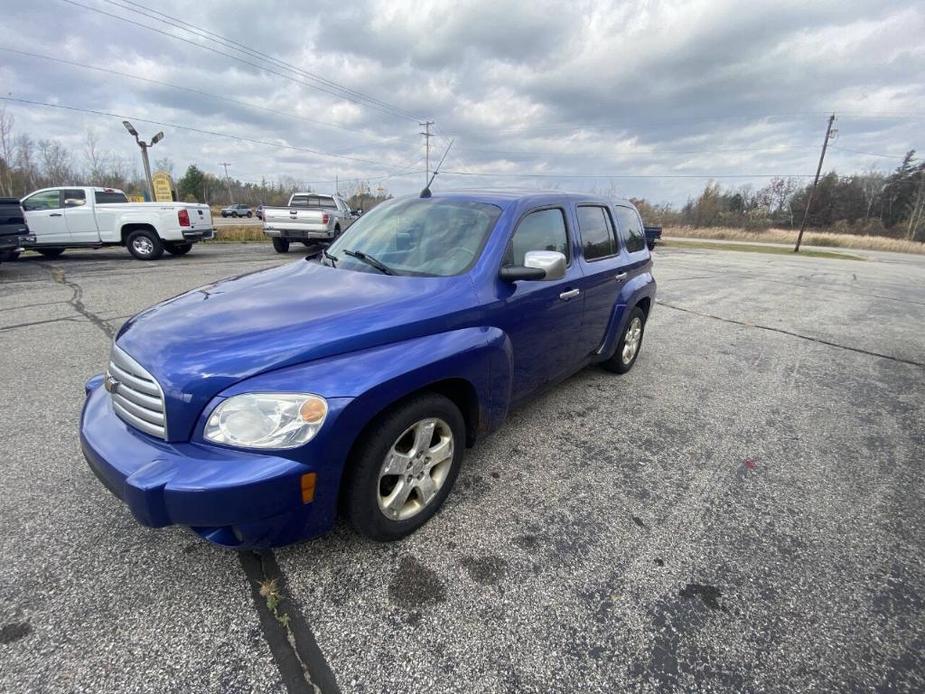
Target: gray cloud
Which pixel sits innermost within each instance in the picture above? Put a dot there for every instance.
(648, 88)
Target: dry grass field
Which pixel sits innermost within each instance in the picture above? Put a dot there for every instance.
(810, 238)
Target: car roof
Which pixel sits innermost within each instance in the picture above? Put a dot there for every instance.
(504, 197)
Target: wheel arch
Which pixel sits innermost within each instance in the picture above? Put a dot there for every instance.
(129, 228)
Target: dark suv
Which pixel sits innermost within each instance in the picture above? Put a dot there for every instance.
(13, 230)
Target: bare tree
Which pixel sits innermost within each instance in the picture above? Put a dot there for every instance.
(7, 151)
(56, 163)
(96, 159)
(26, 167)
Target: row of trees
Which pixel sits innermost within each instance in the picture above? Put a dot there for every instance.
(27, 165)
(867, 203)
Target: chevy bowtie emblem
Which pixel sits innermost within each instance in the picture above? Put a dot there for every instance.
(110, 384)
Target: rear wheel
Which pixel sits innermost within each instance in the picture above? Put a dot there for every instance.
(50, 252)
(404, 468)
(281, 245)
(178, 248)
(145, 245)
(629, 345)
(250, 214)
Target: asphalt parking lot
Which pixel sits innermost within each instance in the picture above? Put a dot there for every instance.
(743, 511)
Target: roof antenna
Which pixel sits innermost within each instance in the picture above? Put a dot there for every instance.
(426, 192)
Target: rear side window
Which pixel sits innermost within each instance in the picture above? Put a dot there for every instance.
(106, 196)
(631, 229)
(596, 228)
(543, 230)
(75, 198)
(46, 200)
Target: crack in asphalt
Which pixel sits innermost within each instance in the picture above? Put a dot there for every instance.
(76, 300)
(818, 340)
(300, 661)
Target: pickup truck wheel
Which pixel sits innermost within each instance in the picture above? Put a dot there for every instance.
(404, 468)
(50, 252)
(629, 345)
(145, 245)
(179, 248)
(281, 245)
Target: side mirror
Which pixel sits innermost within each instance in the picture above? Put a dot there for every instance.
(74, 202)
(357, 213)
(538, 265)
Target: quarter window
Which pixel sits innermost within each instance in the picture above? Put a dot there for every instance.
(543, 230)
(46, 200)
(597, 238)
(631, 229)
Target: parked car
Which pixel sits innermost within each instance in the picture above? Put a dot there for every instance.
(237, 210)
(251, 409)
(259, 211)
(310, 217)
(13, 230)
(653, 236)
(88, 217)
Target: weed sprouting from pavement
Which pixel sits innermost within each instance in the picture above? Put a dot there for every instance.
(269, 590)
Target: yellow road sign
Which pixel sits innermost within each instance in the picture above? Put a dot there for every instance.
(163, 187)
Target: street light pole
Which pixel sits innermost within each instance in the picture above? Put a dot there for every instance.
(144, 153)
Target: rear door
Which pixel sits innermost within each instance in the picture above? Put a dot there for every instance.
(45, 217)
(79, 217)
(603, 266)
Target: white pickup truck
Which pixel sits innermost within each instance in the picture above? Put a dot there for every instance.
(88, 217)
(310, 217)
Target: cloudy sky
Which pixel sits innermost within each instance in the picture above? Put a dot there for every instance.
(648, 99)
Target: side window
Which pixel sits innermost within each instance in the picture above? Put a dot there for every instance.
(543, 230)
(597, 237)
(46, 200)
(631, 229)
(74, 198)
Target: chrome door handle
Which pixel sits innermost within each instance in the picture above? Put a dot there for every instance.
(570, 294)
(620, 277)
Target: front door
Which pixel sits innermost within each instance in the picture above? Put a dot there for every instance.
(80, 217)
(45, 217)
(542, 318)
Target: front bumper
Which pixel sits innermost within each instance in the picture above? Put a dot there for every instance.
(232, 498)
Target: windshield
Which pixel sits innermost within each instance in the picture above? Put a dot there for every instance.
(415, 236)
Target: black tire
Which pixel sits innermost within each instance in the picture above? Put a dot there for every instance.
(178, 248)
(336, 230)
(651, 245)
(50, 252)
(224, 215)
(616, 363)
(250, 214)
(281, 245)
(234, 214)
(144, 244)
(362, 484)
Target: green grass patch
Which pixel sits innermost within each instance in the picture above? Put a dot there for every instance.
(759, 248)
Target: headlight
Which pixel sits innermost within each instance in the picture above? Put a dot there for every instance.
(267, 420)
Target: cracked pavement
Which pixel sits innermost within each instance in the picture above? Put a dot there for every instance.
(743, 511)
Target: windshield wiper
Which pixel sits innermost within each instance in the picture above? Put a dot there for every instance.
(371, 261)
(329, 256)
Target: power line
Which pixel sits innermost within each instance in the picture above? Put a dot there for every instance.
(236, 45)
(191, 129)
(565, 175)
(869, 154)
(228, 55)
(191, 90)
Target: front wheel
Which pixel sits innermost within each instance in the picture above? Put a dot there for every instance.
(145, 245)
(281, 245)
(179, 248)
(50, 252)
(403, 469)
(629, 345)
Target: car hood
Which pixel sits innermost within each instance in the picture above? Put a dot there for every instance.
(199, 343)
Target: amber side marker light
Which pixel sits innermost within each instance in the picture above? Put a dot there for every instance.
(308, 487)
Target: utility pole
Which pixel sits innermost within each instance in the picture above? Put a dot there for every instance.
(829, 133)
(144, 153)
(427, 135)
(227, 182)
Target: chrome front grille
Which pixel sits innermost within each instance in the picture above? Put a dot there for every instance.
(136, 397)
